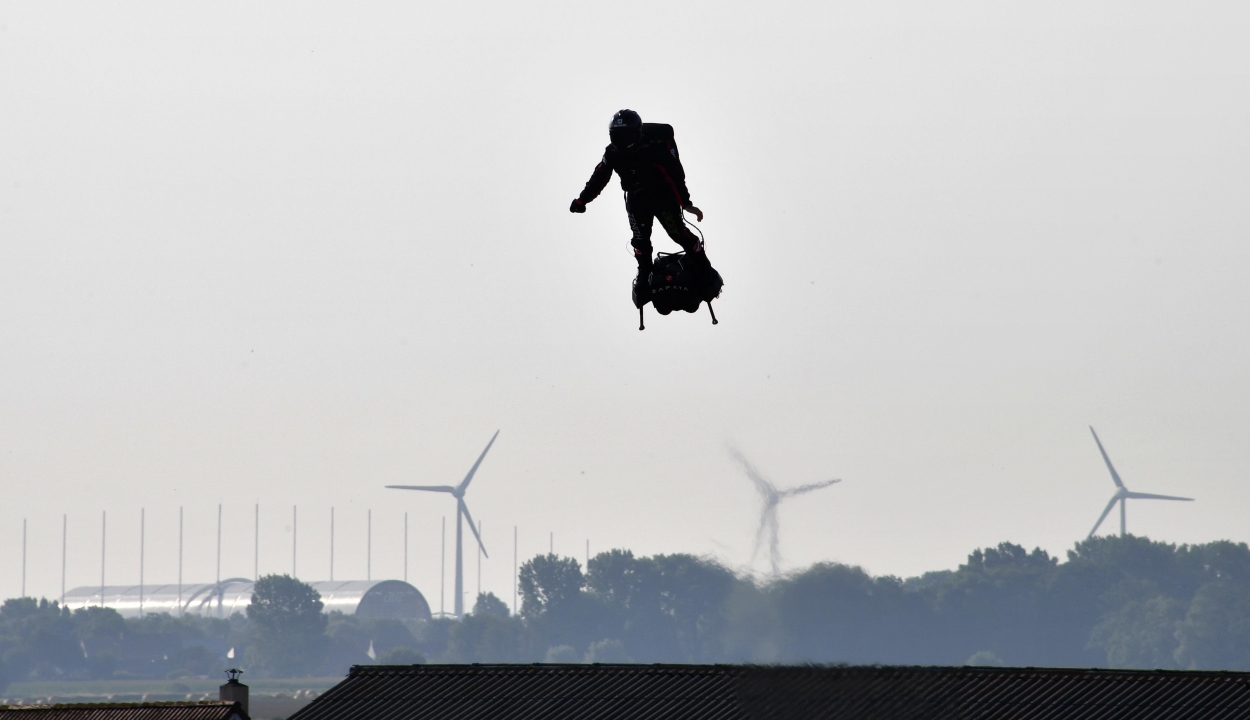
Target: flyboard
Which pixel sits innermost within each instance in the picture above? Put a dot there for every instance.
(677, 282)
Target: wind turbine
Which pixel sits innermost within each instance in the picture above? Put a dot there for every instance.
(771, 497)
(1122, 494)
(462, 513)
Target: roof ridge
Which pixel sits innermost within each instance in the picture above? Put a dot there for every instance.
(122, 705)
(813, 667)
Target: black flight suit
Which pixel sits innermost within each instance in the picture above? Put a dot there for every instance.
(655, 188)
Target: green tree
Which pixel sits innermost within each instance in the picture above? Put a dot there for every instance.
(401, 655)
(666, 608)
(288, 627)
(488, 634)
(751, 626)
(839, 613)
(38, 638)
(554, 606)
(622, 581)
(549, 583)
(433, 636)
(630, 593)
(996, 601)
(99, 624)
(1215, 634)
(100, 631)
(486, 637)
(1140, 634)
(693, 591)
(349, 638)
(489, 604)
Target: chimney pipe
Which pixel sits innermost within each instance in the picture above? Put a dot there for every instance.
(233, 690)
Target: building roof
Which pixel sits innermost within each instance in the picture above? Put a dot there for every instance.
(713, 692)
(126, 711)
(367, 598)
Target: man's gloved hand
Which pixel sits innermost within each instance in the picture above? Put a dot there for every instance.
(698, 214)
(577, 207)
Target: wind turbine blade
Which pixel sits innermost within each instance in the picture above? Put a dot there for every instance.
(759, 535)
(431, 488)
(1102, 517)
(1148, 496)
(808, 488)
(1114, 475)
(774, 544)
(766, 488)
(473, 526)
(465, 482)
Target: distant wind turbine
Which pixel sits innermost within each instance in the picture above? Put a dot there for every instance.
(462, 512)
(1122, 494)
(771, 497)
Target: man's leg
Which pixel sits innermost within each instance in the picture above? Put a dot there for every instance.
(640, 222)
(673, 224)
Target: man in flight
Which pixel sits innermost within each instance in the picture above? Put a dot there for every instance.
(645, 157)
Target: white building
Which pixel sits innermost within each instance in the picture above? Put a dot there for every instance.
(367, 598)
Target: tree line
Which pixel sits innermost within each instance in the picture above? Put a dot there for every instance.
(1113, 602)
(1126, 602)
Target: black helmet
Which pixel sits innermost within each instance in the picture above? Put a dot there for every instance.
(625, 127)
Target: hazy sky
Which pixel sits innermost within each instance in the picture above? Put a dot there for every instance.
(293, 252)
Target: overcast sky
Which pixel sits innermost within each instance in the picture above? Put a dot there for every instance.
(285, 253)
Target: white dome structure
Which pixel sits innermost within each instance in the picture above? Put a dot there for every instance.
(393, 599)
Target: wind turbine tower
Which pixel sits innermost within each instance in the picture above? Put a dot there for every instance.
(462, 514)
(1122, 494)
(771, 498)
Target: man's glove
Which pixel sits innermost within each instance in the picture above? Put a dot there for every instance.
(698, 214)
(577, 207)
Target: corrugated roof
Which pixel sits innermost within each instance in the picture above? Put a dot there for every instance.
(125, 711)
(715, 692)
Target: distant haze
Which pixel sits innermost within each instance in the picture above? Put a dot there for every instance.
(291, 253)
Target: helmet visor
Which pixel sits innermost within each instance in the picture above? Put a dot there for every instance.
(623, 137)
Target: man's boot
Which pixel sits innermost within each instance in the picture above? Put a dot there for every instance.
(642, 283)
